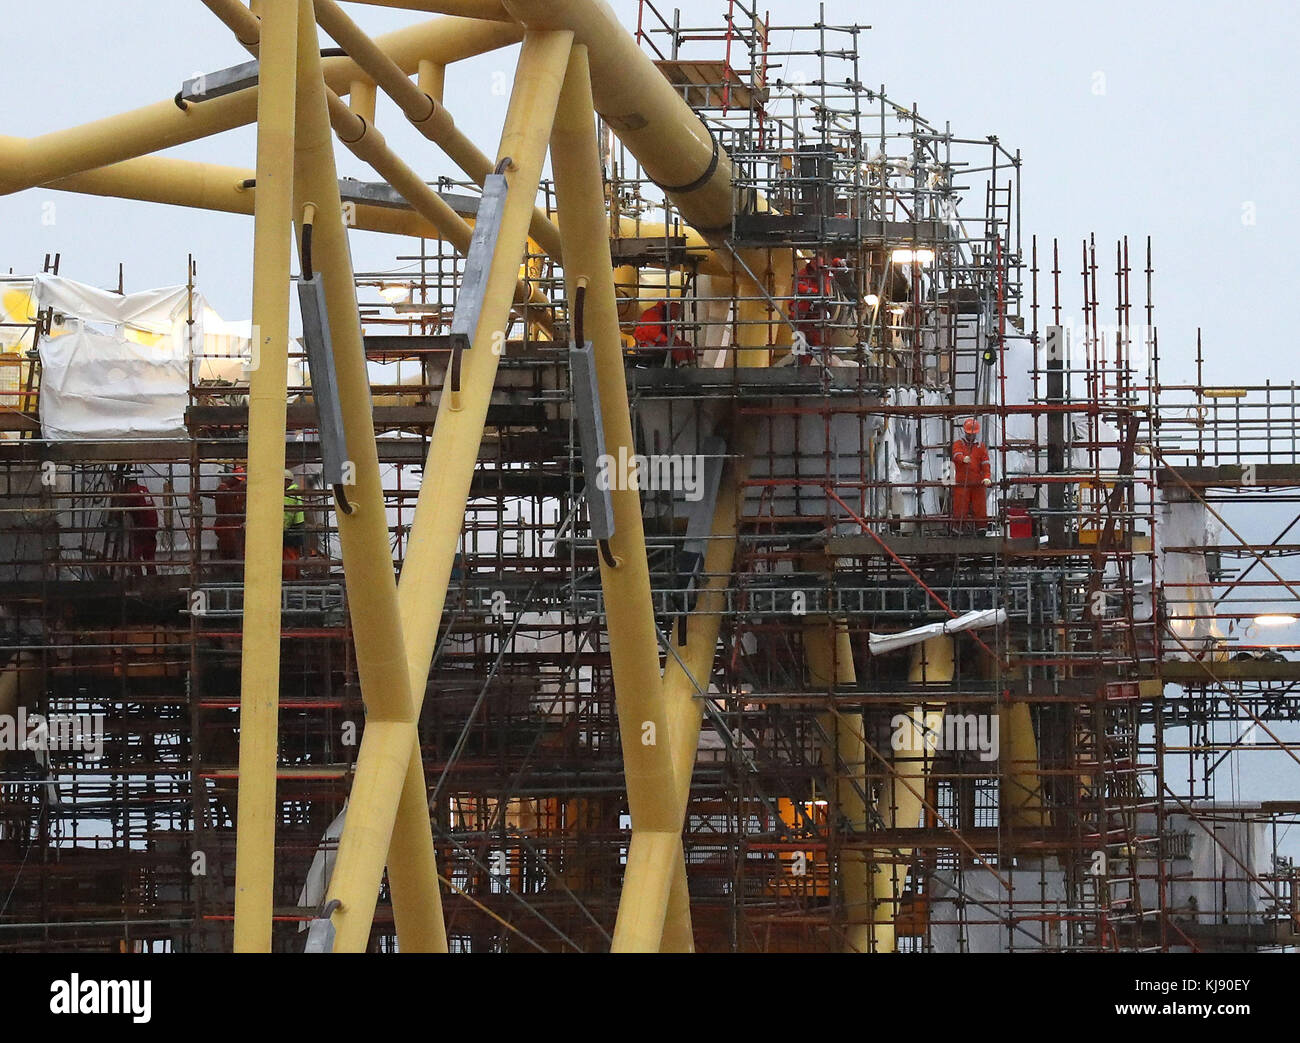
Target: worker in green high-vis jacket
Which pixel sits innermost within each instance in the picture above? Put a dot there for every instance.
(295, 520)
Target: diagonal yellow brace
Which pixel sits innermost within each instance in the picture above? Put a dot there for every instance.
(27, 162)
(686, 676)
(633, 645)
(260, 680)
(363, 534)
(388, 789)
(426, 114)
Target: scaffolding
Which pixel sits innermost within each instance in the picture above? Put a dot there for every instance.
(937, 719)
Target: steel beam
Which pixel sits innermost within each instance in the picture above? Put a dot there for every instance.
(390, 731)
(426, 114)
(267, 401)
(28, 162)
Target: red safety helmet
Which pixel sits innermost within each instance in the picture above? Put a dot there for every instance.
(971, 427)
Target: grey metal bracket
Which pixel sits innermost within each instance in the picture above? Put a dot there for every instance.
(699, 527)
(324, 383)
(591, 437)
(209, 85)
(478, 262)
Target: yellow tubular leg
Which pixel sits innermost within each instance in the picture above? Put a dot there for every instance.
(752, 327)
(633, 644)
(413, 867)
(829, 655)
(260, 680)
(456, 437)
(933, 662)
(363, 534)
(653, 857)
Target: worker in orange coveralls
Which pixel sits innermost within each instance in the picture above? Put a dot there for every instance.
(230, 500)
(971, 478)
(807, 315)
(658, 328)
(142, 523)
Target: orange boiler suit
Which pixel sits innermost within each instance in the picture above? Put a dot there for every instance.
(969, 497)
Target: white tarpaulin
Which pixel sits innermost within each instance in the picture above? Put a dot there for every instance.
(1185, 576)
(115, 365)
(989, 617)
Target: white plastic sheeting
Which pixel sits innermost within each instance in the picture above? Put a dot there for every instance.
(102, 386)
(1189, 599)
(115, 365)
(1217, 869)
(121, 365)
(974, 912)
(909, 452)
(978, 620)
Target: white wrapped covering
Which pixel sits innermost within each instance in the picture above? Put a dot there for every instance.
(115, 365)
(978, 620)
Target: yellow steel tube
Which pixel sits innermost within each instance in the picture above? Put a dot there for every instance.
(933, 662)
(435, 530)
(383, 763)
(687, 673)
(426, 114)
(829, 657)
(432, 79)
(363, 534)
(363, 537)
(678, 935)
(644, 109)
(210, 186)
(752, 316)
(668, 139)
(653, 857)
(413, 866)
(684, 679)
(27, 162)
(633, 642)
(457, 433)
(487, 9)
(267, 402)
(355, 128)
(361, 99)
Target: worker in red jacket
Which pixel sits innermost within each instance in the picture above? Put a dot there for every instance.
(141, 523)
(971, 477)
(230, 500)
(659, 328)
(808, 309)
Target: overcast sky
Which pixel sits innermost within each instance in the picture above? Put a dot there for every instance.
(1174, 120)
